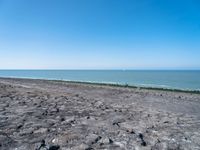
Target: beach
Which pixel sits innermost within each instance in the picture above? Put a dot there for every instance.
(45, 114)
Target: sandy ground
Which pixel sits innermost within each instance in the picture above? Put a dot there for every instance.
(50, 115)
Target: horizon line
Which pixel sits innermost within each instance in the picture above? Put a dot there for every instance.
(63, 69)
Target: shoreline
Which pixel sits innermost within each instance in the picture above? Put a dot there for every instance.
(111, 85)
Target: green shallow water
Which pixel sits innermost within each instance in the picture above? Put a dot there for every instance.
(187, 80)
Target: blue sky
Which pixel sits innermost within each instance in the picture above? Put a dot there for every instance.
(99, 34)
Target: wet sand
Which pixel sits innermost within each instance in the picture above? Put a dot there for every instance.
(41, 114)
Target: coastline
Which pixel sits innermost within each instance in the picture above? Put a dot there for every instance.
(36, 114)
(132, 86)
(111, 84)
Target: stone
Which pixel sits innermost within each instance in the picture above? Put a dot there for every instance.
(41, 131)
(54, 147)
(92, 139)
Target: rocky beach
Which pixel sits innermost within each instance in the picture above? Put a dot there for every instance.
(58, 115)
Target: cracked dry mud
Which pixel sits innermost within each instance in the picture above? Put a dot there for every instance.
(52, 115)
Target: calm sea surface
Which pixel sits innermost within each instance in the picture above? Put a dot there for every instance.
(189, 80)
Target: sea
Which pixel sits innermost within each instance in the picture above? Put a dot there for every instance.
(170, 79)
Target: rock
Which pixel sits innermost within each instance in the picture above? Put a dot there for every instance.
(166, 122)
(116, 123)
(5, 140)
(92, 139)
(120, 144)
(98, 104)
(54, 147)
(143, 143)
(53, 111)
(105, 140)
(26, 131)
(62, 119)
(81, 147)
(76, 95)
(70, 120)
(62, 108)
(42, 145)
(110, 141)
(131, 131)
(89, 148)
(118, 119)
(140, 135)
(41, 130)
(128, 127)
(19, 126)
(65, 138)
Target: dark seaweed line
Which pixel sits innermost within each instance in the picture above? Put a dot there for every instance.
(129, 86)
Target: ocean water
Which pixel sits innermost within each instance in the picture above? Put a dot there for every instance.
(188, 80)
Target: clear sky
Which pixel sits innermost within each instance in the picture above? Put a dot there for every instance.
(99, 34)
